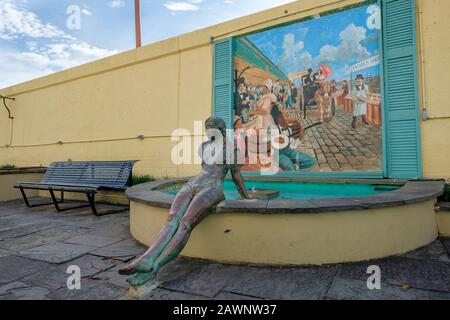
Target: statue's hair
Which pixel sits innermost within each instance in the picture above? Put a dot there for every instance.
(217, 123)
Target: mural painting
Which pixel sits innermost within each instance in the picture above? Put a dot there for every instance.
(318, 82)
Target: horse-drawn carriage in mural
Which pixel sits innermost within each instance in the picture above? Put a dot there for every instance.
(317, 93)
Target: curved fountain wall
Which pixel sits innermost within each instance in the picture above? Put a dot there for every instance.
(311, 232)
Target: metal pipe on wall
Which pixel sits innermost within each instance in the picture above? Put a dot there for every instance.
(137, 14)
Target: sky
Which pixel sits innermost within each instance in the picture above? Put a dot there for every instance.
(340, 40)
(40, 37)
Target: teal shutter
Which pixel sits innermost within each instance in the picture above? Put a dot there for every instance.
(401, 89)
(223, 81)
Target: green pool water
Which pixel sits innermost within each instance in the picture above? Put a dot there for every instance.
(305, 190)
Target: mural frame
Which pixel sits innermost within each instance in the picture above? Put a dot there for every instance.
(385, 168)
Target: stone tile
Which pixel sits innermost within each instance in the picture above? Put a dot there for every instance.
(164, 294)
(446, 243)
(22, 291)
(91, 265)
(56, 277)
(181, 266)
(28, 229)
(350, 289)
(88, 220)
(40, 238)
(224, 295)
(4, 253)
(264, 282)
(92, 240)
(203, 281)
(57, 252)
(120, 231)
(418, 274)
(112, 277)
(435, 251)
(90, 290)
(13, 267)
(122, 250)
(18, 220)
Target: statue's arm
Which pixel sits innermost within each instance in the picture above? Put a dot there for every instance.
(239, 181)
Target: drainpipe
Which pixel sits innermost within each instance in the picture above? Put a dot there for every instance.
(425, 115)
(137, 14)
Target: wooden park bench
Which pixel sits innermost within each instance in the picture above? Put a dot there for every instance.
(81, 177)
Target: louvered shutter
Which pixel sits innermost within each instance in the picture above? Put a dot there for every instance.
(223, 81)
(401, 89)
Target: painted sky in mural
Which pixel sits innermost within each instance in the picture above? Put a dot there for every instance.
(340, 40)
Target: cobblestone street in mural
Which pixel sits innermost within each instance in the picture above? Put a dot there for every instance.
(337, 148)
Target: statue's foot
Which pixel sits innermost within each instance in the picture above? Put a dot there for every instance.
(137, 266)
(128, 270)
(141, 278)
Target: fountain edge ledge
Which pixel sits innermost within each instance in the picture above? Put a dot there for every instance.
(412, 192)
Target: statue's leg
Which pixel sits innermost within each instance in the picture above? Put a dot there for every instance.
(144, 263)
(196, 212)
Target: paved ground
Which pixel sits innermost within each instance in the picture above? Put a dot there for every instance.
(37, 246)
(337, 147)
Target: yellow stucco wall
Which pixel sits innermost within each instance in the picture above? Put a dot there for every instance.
(99, 109)
(309, 239)
(7, 181)
(435, 56)
(444, 223)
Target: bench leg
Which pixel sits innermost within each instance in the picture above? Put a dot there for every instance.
(28, 204)
(91, 199)
(56, 203)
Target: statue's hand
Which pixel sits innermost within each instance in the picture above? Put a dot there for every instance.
(251, 196)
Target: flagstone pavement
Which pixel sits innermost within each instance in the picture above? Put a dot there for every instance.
(37, 246)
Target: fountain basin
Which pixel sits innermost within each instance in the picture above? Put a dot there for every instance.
(380, 218)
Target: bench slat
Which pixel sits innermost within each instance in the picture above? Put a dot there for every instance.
(107, 174)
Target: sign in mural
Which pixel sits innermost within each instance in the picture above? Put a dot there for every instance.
(365, 64)
(318, 82)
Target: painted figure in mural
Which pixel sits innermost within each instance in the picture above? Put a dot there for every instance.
(323, 98)
(309, 87)
(359, 93)
(192, 204)
(264, 106)
(334, 95)
(294, 95)
(289, 158)
(242, 101)
(345, 89)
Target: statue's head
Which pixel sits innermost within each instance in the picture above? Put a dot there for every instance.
(216, 123)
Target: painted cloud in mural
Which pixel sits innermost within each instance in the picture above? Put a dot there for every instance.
(350, 47)
(339, 39)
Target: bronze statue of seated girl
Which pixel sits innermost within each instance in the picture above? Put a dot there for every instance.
(192, 204)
